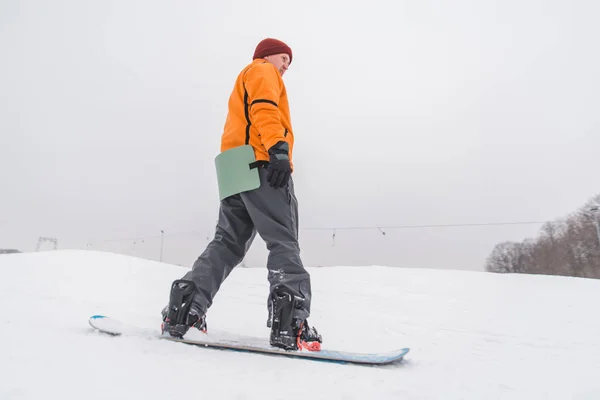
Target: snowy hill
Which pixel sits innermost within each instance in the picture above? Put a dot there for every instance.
(472, 335)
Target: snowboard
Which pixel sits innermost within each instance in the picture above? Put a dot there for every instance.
(224, 340)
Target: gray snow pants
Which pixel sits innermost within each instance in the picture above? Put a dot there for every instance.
(273, 213)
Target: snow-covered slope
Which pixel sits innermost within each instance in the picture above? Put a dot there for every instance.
(472, 335)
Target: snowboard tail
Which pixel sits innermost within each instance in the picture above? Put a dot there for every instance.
(231, 341)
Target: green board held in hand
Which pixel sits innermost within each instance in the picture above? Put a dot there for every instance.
(236, 172)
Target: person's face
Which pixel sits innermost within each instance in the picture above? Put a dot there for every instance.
(280, 61)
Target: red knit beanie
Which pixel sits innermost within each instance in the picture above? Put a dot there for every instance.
(271, 46)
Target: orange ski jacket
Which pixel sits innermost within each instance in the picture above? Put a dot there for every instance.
(258, 113)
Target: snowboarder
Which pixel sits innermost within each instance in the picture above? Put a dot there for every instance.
(258, 116)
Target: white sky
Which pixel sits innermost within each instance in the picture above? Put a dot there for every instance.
(405, 113)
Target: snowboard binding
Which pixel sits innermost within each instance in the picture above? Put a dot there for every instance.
(287, 332)
(179, 315)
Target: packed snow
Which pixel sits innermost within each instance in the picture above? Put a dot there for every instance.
(473, 335)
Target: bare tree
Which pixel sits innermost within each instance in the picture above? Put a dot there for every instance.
(507, 257)
(570, 247)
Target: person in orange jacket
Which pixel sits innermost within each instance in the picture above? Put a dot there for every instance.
(258, 116)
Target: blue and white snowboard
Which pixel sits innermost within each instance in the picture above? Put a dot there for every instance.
(229, 341)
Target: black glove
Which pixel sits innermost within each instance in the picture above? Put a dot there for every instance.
(279, 165)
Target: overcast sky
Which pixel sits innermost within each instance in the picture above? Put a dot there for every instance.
(404, 112)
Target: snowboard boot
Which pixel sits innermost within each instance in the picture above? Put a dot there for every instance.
(180, 315)
(287, 332)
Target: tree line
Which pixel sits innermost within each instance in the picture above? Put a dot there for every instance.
(569, 247)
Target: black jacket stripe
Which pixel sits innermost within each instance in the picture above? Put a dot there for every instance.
(263, 101)
(247, 114)
(247, 108)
